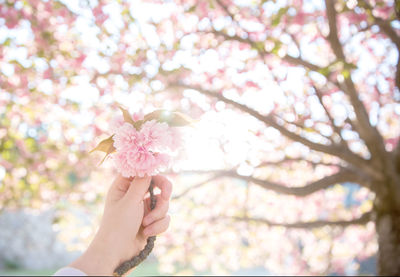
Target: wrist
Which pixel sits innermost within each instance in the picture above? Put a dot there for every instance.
(97, 259)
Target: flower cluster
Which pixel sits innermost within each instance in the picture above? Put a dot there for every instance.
(143, 144)
(145, 151)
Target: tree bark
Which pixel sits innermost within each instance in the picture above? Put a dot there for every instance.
(388, 230)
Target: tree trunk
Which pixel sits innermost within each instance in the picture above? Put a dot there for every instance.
(388, 230)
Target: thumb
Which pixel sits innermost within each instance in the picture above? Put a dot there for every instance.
(138, 188)
(118, 188)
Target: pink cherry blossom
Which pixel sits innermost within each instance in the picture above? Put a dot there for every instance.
(138, 150)
(158, 134)
(125, 137)
(141, 162)
(121, 163)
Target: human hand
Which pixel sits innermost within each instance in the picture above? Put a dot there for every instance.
(126, 224)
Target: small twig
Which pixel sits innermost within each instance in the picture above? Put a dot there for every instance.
(216, 176)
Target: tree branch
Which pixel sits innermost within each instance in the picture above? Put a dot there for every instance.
(225, 8)
(396, 154)
(397, 77)
(362, 220)
(336, 46)
(333, 149)
(336, 128)
(384, 25)
(303, 128)
(381, 159)
(189, 189)
(388, 30)
(333, 31)
(267, 119)
(372, 142)
(263, 52)
(348, 85)
(288, 160)
(367, 132)
(343, 175)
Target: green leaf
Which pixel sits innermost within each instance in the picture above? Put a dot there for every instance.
(7, 42)
(259, 46)
(8, 144)
(179, 120)
(104, 158)
(277, 18)
(276, 48)
(125, 12)
(107, 146)
(173, 119)
(350, 66)
(346, 74)
(191, 9)
(127, 116)
(138, 124)
(324, 71)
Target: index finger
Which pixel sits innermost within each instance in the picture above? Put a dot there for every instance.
(164, 185)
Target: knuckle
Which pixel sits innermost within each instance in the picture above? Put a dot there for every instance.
(149, 219)
(149, 232)
(166, 206)
(168, 221)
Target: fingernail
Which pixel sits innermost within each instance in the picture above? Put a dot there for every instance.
(144, 178)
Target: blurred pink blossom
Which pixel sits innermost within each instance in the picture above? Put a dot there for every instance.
(115, 123)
